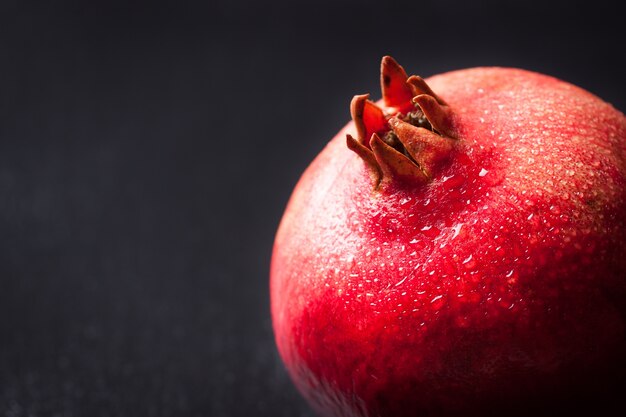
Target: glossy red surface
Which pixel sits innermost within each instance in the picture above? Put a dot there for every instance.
(499, 283)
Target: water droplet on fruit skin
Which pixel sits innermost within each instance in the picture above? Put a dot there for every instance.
(457, 229)
(453, 181)
(555, 209)
(431, 231)
(437, 302)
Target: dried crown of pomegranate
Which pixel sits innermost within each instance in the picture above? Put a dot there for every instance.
(407, 139)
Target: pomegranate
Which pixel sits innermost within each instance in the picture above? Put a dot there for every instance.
(458, 249)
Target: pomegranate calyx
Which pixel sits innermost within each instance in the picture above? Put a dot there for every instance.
(407, 139)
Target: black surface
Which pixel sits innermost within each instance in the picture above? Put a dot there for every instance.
(147, 152)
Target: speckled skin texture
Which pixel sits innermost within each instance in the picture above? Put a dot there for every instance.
(498, 287)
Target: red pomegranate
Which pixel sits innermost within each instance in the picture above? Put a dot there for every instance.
(459, 252)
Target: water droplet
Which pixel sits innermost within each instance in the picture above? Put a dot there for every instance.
(431, 231)
(437, 302)
(457, 229)
(401, 281)
(469, 263)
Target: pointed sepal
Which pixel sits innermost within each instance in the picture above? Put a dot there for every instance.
(440, 117)
(368, 157)
(393, 83)
(418, 87)
(428, 149)
(368, 117)
(395, 165)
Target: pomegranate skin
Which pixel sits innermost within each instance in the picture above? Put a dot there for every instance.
(497, 287)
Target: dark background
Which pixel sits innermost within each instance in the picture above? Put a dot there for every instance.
(147, 151)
